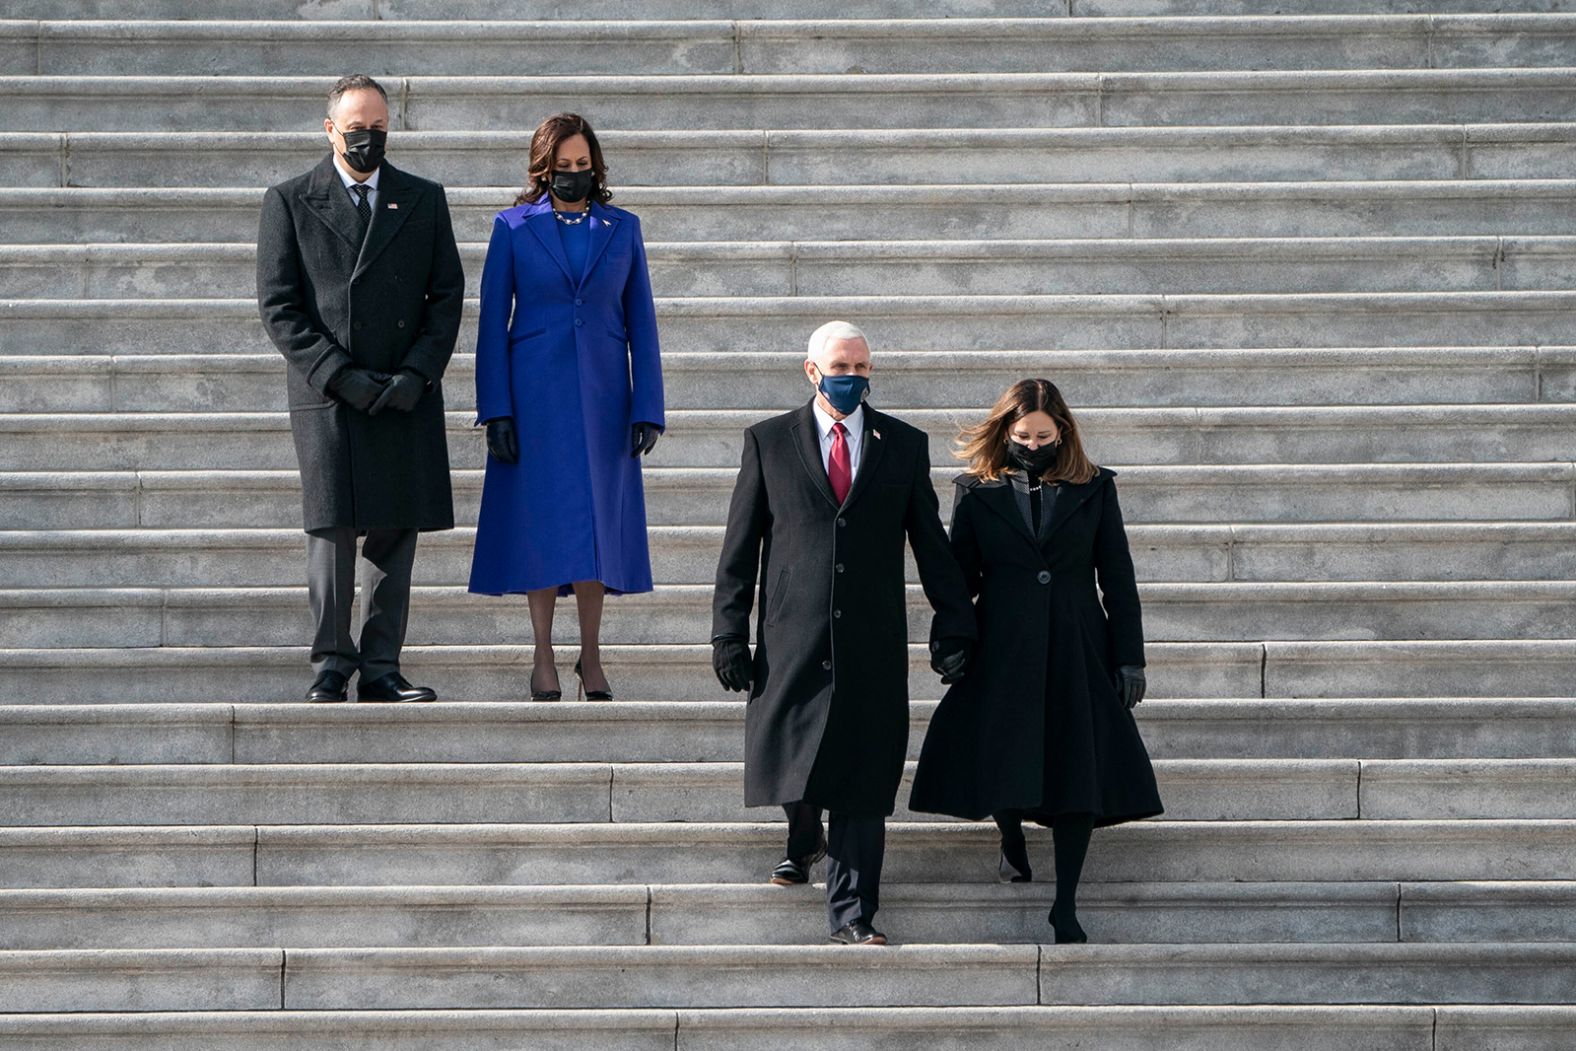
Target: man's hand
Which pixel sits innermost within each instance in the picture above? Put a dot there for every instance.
(1130, 684)
(643, 438)
(357, 387)
(730, 659)
(949, 658)
(401, 393)
(502, 441)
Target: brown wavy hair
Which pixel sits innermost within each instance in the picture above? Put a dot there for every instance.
(984, 445)
(544, 153)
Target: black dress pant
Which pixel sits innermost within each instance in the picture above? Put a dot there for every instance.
(385, 603)
(855, 848)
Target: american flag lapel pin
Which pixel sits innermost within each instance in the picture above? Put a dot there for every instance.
(393, 206)
(876, 433)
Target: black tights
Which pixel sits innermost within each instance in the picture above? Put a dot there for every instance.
(1070, 835)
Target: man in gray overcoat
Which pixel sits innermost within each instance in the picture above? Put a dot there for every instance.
(360, 287)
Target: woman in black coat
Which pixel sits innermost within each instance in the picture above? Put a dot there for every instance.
(1041, 727)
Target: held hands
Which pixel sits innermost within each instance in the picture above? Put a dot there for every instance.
(1130, 684)
(730, 659)
(643, 438)
(400, 393)
(359, 388)
(949, 658)
(502, 441)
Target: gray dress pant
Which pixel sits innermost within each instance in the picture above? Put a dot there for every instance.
(855, 849)
(385, 606)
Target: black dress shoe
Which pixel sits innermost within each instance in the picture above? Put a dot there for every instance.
(791, 872)
(1067, 929)
(591, 695)
(858, 933)
(1014, 864)
(393, 687)
(329, 687)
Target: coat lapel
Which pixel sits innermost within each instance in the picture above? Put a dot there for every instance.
(325, 197)
(397, 197)
(999, 498)
(807, 440)
(1069, 500)
(869, 456)
(545, 227)
(603, 227)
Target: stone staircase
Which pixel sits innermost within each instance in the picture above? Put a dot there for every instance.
(1307, 269)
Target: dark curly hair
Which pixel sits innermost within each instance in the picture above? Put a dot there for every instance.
(544, 154)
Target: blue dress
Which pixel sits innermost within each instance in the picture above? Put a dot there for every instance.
(567, 349)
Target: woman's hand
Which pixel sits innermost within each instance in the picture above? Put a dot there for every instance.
(643, 438)
(502, 441)
(1130, 684)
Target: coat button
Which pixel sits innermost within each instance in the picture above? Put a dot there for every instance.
(401, 322)
(839, 567)
(579, 322)
(580, 302)
(1044, 577)
(837, 614)
(842, 522)
(826, 665)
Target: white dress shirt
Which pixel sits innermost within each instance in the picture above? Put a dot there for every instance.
(350, 184)
(856, 437)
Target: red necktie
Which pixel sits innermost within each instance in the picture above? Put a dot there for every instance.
(839, 468)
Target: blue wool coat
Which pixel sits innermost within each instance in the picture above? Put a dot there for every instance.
(573, 360)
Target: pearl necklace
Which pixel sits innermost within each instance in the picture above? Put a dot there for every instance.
(571, 222)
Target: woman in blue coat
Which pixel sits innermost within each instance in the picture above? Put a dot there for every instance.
(569, 385)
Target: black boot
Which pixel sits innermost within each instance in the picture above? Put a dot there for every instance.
(1014, 864)
(1070, 834)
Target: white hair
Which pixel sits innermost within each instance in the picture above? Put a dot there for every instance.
(834, 330)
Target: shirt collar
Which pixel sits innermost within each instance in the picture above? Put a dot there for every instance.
(823, 419)
(350, 184)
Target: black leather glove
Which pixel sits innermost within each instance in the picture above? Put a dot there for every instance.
(730, 659)
(949, 658)
(643, 438)
(502, 441)
(1130, 684)
(401, 393)
(357, 387)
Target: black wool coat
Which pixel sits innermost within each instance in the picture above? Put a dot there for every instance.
(1036, 725)
(392, 302)
(827, 720)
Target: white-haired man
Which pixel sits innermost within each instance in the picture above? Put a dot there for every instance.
(825, 498)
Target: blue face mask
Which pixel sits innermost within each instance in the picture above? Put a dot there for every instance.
(845, 393)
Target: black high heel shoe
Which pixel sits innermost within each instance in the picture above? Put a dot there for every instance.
(591, 695)
(1014, 864)
(1069, 931)
(544, 695)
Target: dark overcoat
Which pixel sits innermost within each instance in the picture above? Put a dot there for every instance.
(827, 720)
(1036, 725)
(574, 360)
(391, 302)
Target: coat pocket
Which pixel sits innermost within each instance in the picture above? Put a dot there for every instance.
(522, 337)
(779, 595)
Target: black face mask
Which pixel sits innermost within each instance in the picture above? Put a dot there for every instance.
(364, 148)
(573, 187)
(1032, 462)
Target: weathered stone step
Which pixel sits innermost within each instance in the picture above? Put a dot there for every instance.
(819, 975)
(713, 731)
(1315, 551)
(788, 46)
(917, 852)
(1472, 667)
(1174, 611)
(806, 100)
(716, 324)
(867, 268)
(145, 212)
(710, 438)
(692, 914)
(160, 500)
(233, 382)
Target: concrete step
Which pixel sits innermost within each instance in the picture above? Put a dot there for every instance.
(819, 975)
(470, 793)
(144, 212)
(789, 46)
(233, 382)
(1244, 553)
(710, 438)
(695, 914)
(1289, 493)
(91, 617)
(865, 268)
(917, 852)
(713, 731)
(196, 103)
(717, 324)
(496, 671)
